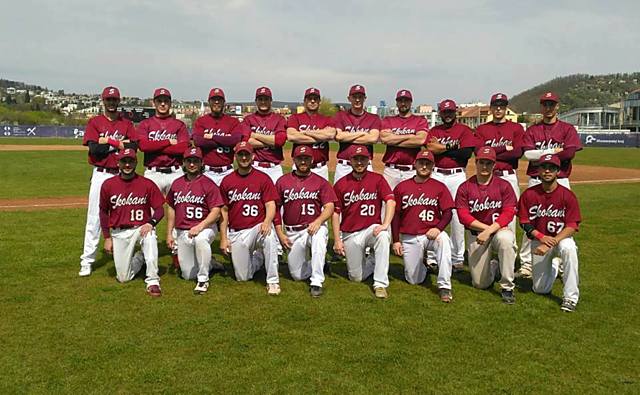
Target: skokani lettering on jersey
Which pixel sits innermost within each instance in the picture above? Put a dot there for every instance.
(402, 131)
(302, 194)
(160, 135)
(352, 197)
(476, 206)
(411, 201)
(188, 198)
(119, 200)
(234, 196)
(449, 141)
(548, 144)
(539, 212)
(500, 143)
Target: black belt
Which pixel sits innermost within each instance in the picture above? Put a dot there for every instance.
(399, 167)
(106, 170)
(219, 169)
(504, 172)
(344, 162)
(319, 164)
(295, 228)
(265, 164)
(449, 171)
(165, 170)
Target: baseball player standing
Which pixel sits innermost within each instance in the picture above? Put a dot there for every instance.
(104, 135)
(452, 144)
(194, 207)
(403, 134)
(312, 129)
(355, 126)
(130, 208)
(551, 136)
(250, 200)
(163, 139)
(307, 201)
(486, 205)
(423, 209)
(216, 134)
(267, 134)
(356, 221)
(550, 216)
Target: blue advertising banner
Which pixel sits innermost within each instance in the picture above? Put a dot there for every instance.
(610, 139)
(75, 132)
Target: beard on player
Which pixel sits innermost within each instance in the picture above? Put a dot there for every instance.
(548, 173)
(111, 105)
(303, 165)
(404, 106)
(216, 104)
(423, 168)
(448, 117)
(127, 167)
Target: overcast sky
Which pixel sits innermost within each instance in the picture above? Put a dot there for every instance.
(463, 49)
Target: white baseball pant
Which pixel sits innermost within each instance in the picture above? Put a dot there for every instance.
(512, 179)
(453, 182)
(502, 245)
(274, 172)
(322, 171)
(217, 177)
(92, 228)
(343, 168)
(359, 267)
(413, 250)
(194, 254)
(307, 255)
(163, 180)
(243, 245)
(128, 265)
(545, 269)
(396, 176)
(525, 248)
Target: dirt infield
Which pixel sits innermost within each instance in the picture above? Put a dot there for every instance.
(581, 174)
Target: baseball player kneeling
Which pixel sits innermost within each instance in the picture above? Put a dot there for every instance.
(486, 204)
(423, 209)
(549, 216)
(247, 230)
(356, 221)
(307, 203)
(194, 207)
(130, 208)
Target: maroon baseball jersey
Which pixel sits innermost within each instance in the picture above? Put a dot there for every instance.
(118, 130)
(217, 151)
(271, 124)
(500, 135)
(351, 123)
(556, 135)
(360, 201)
(153, 138)
(129, 203)
(302, 198)
(458, 136)
(309, 122)
(245, 196)
(193, 200)
(485, 203)
(419, 206)
(550, 212)
(402, 126)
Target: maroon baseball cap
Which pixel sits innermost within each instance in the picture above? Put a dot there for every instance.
(161, 92)
(127, 153)
(110, 92)
(486, 153)
(263, 91)
(499, 97)
(358, 150)
(216, 92)
(404, 94)
(243, 146)
(426, 154)
(549, 96)
(302, 150)
(447, 104)
(357, 89)
(312, 91)
(193, 152)
(549, 158)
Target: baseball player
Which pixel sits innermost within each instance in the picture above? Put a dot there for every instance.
(356, 221)
(130, 208)
(354, 126)
(312, 129)
(194, 207)
(216, 134)
(403, 134)
(163, 139)
(104, 135)
(423, 209)
(267, 134)
(307, 201)
(486, 205)
(250, 200)
(452, 144)
(551, 136)
(550, 216)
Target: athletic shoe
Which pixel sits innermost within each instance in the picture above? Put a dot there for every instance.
(85, 270)
(457, 267)
(508, 297)
(381, 292)
(217, 266)
(154, 290)
(568, 306)
(201, 287)
(524, 272)
(315, 291)
(445, 295)
(273, 289)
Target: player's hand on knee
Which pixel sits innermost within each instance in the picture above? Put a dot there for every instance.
(108, 245)
(265, 229)
(193, 232)
(433, 233)
(549, 241)
(540, 250)
(379, 229)
(483, 237)
(313, 228)
(397, 248)
(338, 247)
(225, 246)
(145, 229)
